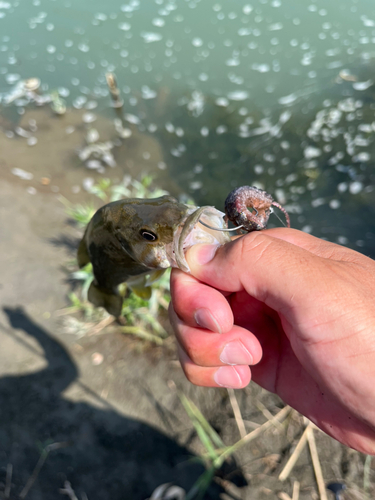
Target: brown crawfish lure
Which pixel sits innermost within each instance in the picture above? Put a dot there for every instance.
(249, 208)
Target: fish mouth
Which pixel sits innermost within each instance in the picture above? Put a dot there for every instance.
(191, 232)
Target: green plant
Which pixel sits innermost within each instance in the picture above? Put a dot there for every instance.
(216, 451)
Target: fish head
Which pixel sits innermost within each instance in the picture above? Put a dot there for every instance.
(157, 232)
(145, 228)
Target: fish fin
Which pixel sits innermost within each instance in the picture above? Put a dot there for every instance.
(154, 276)
(83, 257)
(100, 297)
(144, 292)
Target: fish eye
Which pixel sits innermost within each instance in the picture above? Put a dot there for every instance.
(148, 235)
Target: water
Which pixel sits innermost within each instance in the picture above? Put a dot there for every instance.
(273, 93)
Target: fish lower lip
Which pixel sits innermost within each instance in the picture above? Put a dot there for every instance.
(190, 233)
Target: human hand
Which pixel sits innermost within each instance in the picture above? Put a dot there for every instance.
(299, 310)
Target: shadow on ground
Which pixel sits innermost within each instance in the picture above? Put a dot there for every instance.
(108, 456)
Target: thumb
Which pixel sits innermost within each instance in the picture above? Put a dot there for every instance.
(272, 270)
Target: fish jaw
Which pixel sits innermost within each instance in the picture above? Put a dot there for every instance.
(190, 232)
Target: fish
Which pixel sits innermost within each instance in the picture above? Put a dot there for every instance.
(135, 240)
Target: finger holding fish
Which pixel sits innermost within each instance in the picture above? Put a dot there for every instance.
(231, 377)
(237, 346)
(200, 305)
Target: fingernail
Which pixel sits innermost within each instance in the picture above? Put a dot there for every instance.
(204, 318)
(203, 254)
(227, 376)
(235, 353)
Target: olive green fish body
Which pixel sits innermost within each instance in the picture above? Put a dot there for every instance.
(125, 240)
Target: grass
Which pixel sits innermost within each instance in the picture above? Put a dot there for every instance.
(216, 452)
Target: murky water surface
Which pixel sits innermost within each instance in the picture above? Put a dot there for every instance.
(273, 93)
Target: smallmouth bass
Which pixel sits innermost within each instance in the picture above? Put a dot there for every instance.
(135, 240)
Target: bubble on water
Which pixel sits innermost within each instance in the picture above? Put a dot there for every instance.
(12, 78)
(50, 27)
(5, 5)
(221, 129)
(203, 77)
(83, 47)
(150, 37)
(2, 15)
(362, 157)
(234, 61)
(363, 85)
(239, 80)
(158, 22)
(147, 93)
(244, 31)
(31, 190)
(275, 27)
(169, 127)
(178, 151)
(132, 119)
(68, 43)
(205, 131)
(364, 40)
(367, 22)
(342, 240)
(261, 68)
(100, 16)
(196, 185)
(88, 118)
(237, 95)
(355, 187)
(342, 187)
(365, 127)
(197, 42)
(79, 102)
(51, 49)
(317, 202)
(334, 64)
(288, 99)
(124, 26)
(307, 58)
(335, 204)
